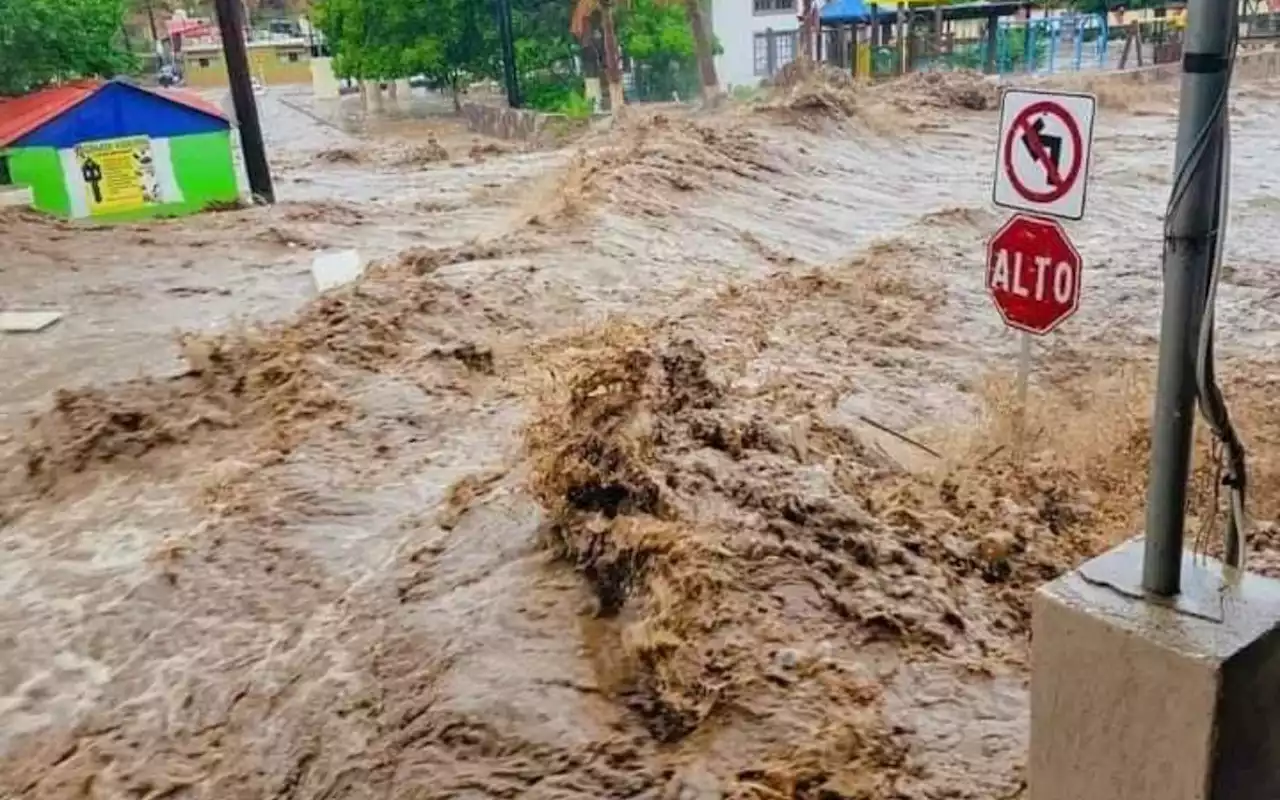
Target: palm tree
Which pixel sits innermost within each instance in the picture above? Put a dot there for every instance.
(580, 26)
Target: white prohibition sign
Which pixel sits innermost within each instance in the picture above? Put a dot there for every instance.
(1043, 152)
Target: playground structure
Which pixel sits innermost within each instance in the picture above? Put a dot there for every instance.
(1002, 38)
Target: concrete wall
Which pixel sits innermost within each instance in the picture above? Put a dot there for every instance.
(324, 84)
(517, 123)
(11, 197)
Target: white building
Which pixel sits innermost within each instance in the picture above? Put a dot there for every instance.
(758, 38)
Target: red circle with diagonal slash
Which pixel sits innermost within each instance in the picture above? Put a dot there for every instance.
(1022, 122)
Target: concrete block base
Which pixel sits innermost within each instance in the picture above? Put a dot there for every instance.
(1144, 699)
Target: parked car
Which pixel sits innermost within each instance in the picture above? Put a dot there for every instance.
(169, 75)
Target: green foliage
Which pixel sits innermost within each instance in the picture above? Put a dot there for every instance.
(1011, 49)
(548, 91)
(541, 32)
(575, 106)
(444, 40)
(656, 36)
(655, 32)
(44, 41)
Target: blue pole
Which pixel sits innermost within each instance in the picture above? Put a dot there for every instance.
(1103, 39)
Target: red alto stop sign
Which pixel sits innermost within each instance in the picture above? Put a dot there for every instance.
(1033, 274)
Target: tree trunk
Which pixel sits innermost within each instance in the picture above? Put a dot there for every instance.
(702, 47)
(124, 34)
(591, 71)
(612, 59)
(151, 19)
(806, 30)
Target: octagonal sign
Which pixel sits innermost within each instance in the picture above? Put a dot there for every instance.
(1033, 274)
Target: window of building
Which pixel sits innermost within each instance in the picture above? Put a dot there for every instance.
(204, 62)
(774, 6)
(784, 46)
(773, 50)
(293, 58)
(761, 53)
(6, 178)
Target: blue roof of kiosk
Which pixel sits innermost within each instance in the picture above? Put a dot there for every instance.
(116, 109)
(844, 12)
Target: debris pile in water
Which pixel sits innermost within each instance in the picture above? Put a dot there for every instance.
(644, 158)
(422, 155)
(806, 94)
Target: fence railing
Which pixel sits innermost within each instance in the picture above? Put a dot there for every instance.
(1063, 42)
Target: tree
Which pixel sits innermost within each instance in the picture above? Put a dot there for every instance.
(690, 15)
(444, 40)
(703, 46)
(47, 41)
(658, 39)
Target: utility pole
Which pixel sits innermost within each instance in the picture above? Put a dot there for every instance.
(231, 25)
(1188, 255)
(508, 53)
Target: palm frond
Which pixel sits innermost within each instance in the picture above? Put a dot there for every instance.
(579, 23)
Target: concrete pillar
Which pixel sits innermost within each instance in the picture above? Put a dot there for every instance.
(324, 84)
(591, 87)
(1146, 699)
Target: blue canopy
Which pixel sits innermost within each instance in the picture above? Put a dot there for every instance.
(844, 12)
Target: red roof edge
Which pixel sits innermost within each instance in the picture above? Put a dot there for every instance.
(22, 115)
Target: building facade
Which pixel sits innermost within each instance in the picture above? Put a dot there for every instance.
(272, 62)
(111, 150)
(757, 37)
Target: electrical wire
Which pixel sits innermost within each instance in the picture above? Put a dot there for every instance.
(1211, 402)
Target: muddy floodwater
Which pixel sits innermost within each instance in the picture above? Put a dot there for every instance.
(673, 461)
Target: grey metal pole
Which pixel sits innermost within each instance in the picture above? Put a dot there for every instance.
(1187, 258)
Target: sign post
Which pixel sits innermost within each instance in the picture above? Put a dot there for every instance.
(1042, 166)
(1033, 276)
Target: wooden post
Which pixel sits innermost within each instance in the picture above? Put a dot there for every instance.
(993, 24)
(1028, 54)
(1132, 39)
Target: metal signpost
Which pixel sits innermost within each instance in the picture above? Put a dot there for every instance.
(1034, 272)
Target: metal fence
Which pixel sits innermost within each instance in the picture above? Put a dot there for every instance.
(1063, 42)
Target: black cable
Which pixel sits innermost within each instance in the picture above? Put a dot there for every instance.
(1211, 402)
